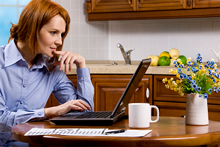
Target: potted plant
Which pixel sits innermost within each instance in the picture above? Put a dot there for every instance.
(197, 81)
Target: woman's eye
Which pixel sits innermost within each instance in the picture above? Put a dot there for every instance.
(53, 33)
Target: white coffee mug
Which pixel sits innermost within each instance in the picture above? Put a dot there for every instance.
(140, 115)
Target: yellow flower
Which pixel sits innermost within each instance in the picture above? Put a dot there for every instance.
(178, 75)
(169, 81)
(167, 86)
(164, 80)
(178, 60)
(177, 81)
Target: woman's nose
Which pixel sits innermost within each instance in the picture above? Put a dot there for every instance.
(58, 41)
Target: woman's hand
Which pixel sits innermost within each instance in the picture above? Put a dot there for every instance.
(72, 105)
(68, 59)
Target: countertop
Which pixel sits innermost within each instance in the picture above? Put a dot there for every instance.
(107, 68)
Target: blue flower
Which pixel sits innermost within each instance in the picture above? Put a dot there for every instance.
(189, 63)
(175, 62)
(193, 81)
(179, 70)
(189, 79)
(205, 95)
(181, 66)
(214, 80)
(212, 67)
(198, 54)
(210, 90)
(200, 95)
(214, 88)
(184, 76)
(198, 88)
(194, 64)
(208, 62)
(194, 86)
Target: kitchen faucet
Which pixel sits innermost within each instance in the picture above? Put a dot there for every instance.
(126, 54)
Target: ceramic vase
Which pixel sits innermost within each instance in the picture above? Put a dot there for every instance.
(196, 110)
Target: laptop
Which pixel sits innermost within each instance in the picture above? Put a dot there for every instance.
(103, 118)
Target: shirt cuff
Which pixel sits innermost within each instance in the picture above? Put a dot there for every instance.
(82, 72)
(39, 115)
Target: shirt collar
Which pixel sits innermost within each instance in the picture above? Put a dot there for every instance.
(12, 55)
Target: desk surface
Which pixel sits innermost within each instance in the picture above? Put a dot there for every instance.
(168, 131)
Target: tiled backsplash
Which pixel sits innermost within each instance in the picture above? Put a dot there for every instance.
(98, 40)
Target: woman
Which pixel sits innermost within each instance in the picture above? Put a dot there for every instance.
(30, 70)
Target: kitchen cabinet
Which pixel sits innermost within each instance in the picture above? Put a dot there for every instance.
(97, 6)
(150, 9)
(109, 88)
(171, 103)
(206, 3)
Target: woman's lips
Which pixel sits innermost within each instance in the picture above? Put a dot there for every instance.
(53, 49)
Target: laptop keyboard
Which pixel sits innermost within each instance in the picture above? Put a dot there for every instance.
(97, 114)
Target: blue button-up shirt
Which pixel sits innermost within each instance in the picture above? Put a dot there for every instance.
(24, 92)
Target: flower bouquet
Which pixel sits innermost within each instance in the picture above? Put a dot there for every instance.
(196, 78)
(197, 81)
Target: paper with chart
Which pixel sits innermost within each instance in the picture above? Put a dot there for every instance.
(85, 132)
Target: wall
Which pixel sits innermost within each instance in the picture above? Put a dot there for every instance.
(98, 40)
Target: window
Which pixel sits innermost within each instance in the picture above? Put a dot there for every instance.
(10, 11)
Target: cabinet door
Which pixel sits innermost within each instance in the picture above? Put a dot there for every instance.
(161, 93)
(109, 88)
(147, 5)
(97, 6)
(206, 3)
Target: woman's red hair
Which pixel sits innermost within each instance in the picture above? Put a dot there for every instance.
(36, 14)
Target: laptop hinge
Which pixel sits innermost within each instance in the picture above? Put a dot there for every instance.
(117, 114)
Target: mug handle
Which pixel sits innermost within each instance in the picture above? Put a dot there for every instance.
(153, 121)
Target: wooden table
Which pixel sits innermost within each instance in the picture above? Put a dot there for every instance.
(168, 131)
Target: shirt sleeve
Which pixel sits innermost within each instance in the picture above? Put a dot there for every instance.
(9, 119)
(65, 91)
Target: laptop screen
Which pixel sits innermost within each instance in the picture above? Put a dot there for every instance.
(131, 87)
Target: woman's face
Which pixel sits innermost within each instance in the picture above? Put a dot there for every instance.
(50, 35)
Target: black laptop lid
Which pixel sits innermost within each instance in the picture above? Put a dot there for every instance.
(132, 86)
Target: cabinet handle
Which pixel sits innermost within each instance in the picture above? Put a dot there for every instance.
(147, 92)
(130, 1)
(188, 2)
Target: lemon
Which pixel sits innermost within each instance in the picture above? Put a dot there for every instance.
(154, 60)
(174, 53)
(165, 54)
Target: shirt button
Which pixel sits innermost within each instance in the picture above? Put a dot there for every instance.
(39, 113)
(24, 86)
(21, 102)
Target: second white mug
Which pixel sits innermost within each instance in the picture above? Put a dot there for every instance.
(140, 115)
